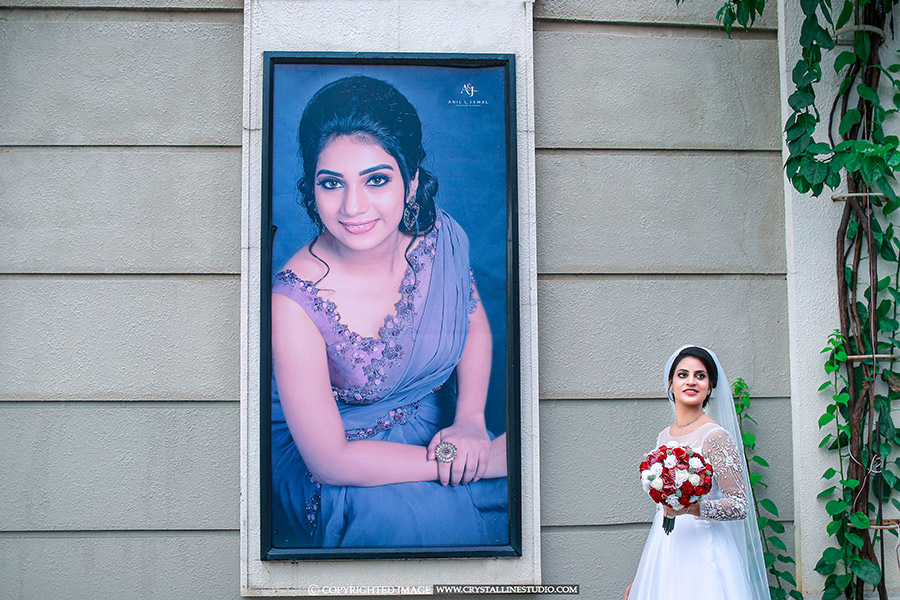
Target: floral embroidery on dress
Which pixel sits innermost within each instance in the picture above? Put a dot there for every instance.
(398, 416)
(359, 350)
(313, 502)
(725, 458)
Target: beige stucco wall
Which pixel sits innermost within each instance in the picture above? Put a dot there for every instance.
(660, 221)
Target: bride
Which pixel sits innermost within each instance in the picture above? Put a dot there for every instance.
(714, 550)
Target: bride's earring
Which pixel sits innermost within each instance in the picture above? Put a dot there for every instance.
(411, 214)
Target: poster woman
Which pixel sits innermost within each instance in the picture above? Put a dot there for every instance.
(381, 346)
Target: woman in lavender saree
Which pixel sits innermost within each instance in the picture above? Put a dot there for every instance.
(378, 427)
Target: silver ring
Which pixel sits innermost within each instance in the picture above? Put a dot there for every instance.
(445, 452)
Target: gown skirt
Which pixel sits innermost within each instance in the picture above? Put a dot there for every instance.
(699, 559)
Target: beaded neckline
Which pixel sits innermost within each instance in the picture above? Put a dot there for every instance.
(358, 349)
(408, 286)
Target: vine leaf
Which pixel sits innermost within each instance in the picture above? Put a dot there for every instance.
(835, 507)
(844, 58)
(845, 15)
(867, 571)
(769, 506)
(800, 100)
(851, 118)
(831, 556)
(860, 520)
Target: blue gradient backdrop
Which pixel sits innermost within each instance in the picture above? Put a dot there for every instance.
(465, 142)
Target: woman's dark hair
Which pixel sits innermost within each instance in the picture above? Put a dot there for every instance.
(370, 109)
(704, 357)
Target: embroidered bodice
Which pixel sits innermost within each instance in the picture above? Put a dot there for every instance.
(362, 368)
(728, 500)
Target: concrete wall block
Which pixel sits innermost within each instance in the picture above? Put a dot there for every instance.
(86, 466)
(603, 90)
(567, 426)
(696, 12)
(120, 338)
(131, 4)
(196, 565)
(659, 213)
(122, 210)
(174, 81)
(610, 337)
(602, 560)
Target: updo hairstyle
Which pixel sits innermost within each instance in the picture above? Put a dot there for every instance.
(371, 110)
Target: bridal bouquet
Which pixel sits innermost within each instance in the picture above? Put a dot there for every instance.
(675, 475)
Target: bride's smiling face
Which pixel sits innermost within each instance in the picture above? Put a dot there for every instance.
(690, 382)
(359, 192)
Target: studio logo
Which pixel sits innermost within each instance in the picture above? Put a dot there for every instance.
(467, 92)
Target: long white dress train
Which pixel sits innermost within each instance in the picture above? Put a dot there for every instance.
(700, 558)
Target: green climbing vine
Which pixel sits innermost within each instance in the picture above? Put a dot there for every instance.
(774, 549)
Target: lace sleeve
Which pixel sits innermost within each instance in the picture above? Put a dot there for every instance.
(720, 450)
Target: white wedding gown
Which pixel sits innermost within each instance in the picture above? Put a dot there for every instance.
(701, 557)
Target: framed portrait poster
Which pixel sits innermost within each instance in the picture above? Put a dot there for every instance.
(389, 325)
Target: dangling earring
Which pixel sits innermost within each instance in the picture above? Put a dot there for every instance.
(411, 214)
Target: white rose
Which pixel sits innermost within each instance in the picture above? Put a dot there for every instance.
(681, 475)
(694, 479)
(695, 463)
(670, 461)
(656, 469)
(657, 483)
(673, 502)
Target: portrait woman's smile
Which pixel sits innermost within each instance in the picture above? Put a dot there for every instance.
(359, 193)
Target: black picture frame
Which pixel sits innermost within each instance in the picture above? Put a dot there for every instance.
(274, 229)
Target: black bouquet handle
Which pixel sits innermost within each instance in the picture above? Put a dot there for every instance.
(668, 524)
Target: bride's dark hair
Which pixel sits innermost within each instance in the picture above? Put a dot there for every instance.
(369, 109)
(704, 357)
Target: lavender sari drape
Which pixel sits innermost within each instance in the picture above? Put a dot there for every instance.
(398, 387)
